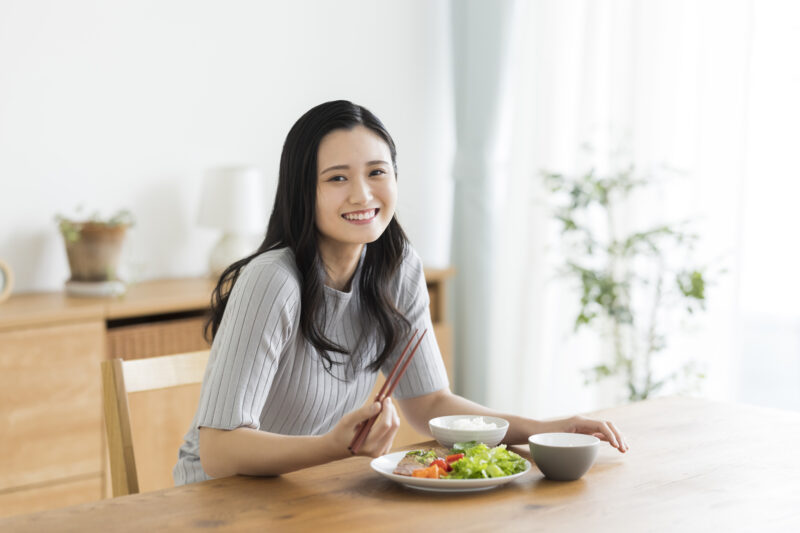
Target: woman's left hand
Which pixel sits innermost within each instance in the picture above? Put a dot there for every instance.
(602, 429)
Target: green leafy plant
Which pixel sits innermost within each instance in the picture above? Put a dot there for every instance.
(628, 284)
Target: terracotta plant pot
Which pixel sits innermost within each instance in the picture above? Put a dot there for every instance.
(93, 250)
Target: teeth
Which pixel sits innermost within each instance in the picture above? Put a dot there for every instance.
(361, 216)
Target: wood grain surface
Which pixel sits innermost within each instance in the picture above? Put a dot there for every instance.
(151, 297)
(49, 414)
(693, 465)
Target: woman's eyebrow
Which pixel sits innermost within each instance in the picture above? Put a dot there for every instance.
(346, 167)
(335, 167)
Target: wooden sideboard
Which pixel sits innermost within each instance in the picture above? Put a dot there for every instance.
(52, 447)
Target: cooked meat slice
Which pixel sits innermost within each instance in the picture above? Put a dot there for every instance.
(412, 462)
(407, 465)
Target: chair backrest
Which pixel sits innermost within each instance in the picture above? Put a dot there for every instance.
(127, 383)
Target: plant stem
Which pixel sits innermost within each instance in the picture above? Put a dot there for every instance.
(613, 266)
(651, 332)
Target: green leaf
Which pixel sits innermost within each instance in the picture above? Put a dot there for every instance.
(692, 284)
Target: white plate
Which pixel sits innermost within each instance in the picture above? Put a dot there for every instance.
(385, 465)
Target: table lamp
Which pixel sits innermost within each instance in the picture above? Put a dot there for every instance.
(234, 200)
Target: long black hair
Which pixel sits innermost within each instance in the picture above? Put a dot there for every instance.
(293, 225)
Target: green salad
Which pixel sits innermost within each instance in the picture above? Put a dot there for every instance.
(480, 461)
(466, 460)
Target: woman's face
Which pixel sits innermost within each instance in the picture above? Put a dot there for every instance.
(356, 187)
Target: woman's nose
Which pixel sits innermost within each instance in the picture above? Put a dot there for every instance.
(360, 191)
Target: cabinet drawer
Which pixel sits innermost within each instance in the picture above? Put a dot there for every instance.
(50, 411)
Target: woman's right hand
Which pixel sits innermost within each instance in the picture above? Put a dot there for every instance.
(380, 438)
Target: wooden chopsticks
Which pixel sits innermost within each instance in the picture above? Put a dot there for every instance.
(386, 390)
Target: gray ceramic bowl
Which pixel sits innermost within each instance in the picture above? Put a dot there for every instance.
(563, 456)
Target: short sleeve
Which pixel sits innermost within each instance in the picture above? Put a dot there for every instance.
(426, 372)
(258, 321)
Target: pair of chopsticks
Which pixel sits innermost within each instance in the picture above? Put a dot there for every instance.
(386, 391)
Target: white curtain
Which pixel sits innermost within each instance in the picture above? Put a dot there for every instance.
(768, 371)
(482, 46)
(704, 87)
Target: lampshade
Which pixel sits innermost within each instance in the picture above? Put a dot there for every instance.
(235, 200)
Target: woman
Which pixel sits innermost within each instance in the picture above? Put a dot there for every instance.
(301, 327)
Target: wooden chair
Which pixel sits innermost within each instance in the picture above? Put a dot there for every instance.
(156, 396)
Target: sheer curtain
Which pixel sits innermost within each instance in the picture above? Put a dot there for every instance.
(706, 87)
(686, 85)
(482, 50)
(769, 314)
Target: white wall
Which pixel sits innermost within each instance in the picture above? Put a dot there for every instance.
(124, 104)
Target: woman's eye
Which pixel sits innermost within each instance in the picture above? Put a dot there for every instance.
(336, 178)
(378, 170)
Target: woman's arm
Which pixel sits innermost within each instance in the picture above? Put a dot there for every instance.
(253, 452)
(443, 402)
(258, 453)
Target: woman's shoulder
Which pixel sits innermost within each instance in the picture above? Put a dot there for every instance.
(273, 267)
(411, 258)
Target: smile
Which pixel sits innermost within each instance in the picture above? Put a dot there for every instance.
(361, 217)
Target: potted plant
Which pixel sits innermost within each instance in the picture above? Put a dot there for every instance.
(630, 284)
(93, 246)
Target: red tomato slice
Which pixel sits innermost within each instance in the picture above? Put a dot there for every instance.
(453, 458)
(440, 463)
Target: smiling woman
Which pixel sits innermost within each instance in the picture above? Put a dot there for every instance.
(301, 327)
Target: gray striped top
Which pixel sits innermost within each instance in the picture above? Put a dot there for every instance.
(263, 374)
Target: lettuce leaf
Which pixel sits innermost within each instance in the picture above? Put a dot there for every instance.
(480, 461)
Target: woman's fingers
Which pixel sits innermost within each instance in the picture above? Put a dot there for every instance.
(386, 420)
(362, 415)
(385, 428)
(381, 436)
(395, 429)
(623, 445)
(608, 431)
(603, 430)
(394, 426)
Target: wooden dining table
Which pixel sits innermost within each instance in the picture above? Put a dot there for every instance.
(693, 465)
